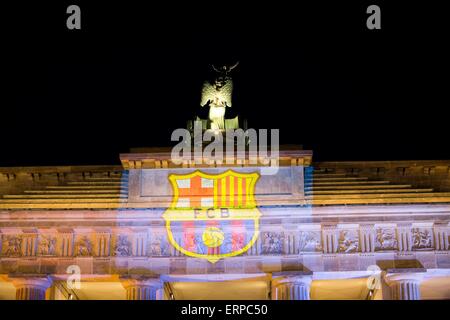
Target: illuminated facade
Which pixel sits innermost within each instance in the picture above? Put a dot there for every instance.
(150, 229)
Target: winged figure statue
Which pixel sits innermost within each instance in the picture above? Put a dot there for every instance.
(217, 95)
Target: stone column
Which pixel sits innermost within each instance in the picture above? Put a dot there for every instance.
(31, 288)
(142, 288)
(291, 288)
(403, 286)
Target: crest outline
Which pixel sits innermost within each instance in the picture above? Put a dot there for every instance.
(249, 211)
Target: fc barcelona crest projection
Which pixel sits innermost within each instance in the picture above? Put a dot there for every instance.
(215, 215)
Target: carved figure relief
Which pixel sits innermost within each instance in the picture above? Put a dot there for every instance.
(385, 239)
(272, 242)
(310, 241)
(47, 245)
(84, 247)
(12, 245)
(123, 246)
(348, 241)
(159, 245)
(422, 238)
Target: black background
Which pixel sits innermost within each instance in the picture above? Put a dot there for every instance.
(165, 309)
(133, 74)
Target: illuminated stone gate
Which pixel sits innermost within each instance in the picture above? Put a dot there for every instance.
(319, 223)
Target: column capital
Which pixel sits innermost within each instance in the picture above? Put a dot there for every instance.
(141, 282)
(293, 279)
(403, 285)
(391, 278)
(291, 286)
(141, 288)
(31, 281)
(30, 287)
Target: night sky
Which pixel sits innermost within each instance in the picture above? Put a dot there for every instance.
(133, 74)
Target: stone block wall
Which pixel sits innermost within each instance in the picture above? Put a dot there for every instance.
(425, 173)
(14, 180)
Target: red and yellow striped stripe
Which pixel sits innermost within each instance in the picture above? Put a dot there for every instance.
(231, 192)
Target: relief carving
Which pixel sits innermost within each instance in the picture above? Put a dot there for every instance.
(385, 239)
(422, 238)
(272, 242)
(84, 247)
(47, 245)
(310, 241)
(159, 246)
(12, 246)
(348, 241)
(123, 246)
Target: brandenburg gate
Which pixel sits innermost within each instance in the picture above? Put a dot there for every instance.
(151, 229)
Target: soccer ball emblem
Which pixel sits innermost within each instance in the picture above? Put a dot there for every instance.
(213, 237)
